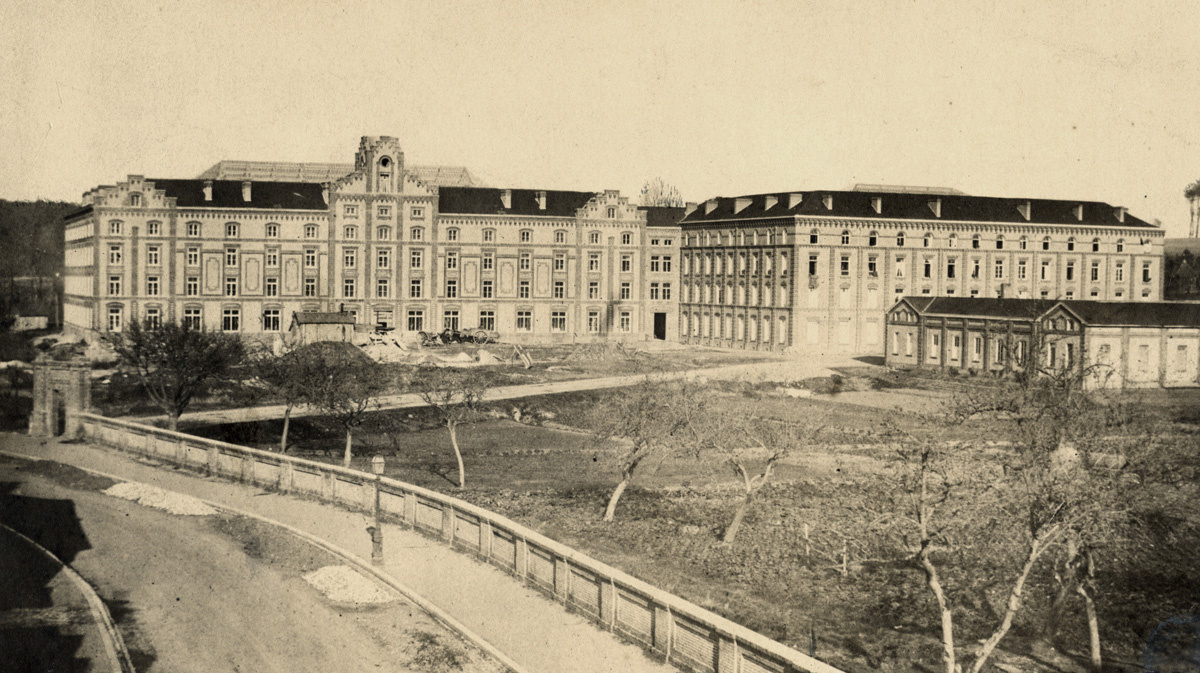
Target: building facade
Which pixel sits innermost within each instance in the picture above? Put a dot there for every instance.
(1119, 344)
(816, 271)
(416, 250)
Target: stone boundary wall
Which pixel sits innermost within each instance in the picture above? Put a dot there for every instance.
(687, 636)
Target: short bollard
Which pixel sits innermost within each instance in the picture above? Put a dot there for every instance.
(376, 531)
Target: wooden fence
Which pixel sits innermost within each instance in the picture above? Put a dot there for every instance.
(686, 635)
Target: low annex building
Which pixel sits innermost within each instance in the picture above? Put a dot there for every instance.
(247, 244)
(1121, 344)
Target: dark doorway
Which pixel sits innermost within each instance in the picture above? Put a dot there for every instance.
(660, 326)
(58, 411)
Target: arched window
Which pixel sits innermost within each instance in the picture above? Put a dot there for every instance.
(383, 233)
(594, 238)
(1095, 245)
(872, 238)
(525, 236)
(385, 171)
(560, 236)
(1000, 242)
(952, 241)
(231, 230)
(845, 237)
(350, 232)
(814, 237)
(900, 240)
(975, 242)
(452, 234)
(114, 227)
(1120, 245)
(489, 235)
(1046, 243)
(193, 229)
(928, 240)
(1071, 244)
(272, 230)
(416, 234)
(1023, 243)
(626, 238)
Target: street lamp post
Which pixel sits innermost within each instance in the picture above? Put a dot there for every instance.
(377, 530)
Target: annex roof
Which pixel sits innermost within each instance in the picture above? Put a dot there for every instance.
(288, 171)
(228, 194)
(663, 216)
(914, 206)
(1093, 313)
(322, 318)
(488, 201)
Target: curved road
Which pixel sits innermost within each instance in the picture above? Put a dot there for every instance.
(186, 597)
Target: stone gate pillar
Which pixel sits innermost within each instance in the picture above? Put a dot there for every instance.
(61, 390)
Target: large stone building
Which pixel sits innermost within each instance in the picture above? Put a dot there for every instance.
(247, 244)
(815, 271)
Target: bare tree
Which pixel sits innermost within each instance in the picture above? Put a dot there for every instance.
(175, 362)
(657, 192)
(1192, 194)
(654, 419)
(456, 396)
(345, 385)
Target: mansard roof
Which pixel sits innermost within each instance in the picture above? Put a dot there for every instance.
(487, 201)
(228, 194)
(916, 206)
(1093, 313)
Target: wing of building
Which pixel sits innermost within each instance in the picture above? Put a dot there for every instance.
(248, 244)
(814, 271)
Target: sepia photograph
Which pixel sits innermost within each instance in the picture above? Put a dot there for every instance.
(612, 336)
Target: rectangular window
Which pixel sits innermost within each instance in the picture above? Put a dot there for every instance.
(416, 234)
(114, 254)
(560, 289)
(231, 320)
(310, 259)
(417, 213)
(414, 288)
(416, 320)
(193, 229)
(845, 265)
(525, 262)
(626, 321)
(626, 263)
(193, 257)
(231, 255)
(654, 290)
(151, 286)
(271, 320)
(310, 287)
(350, 258)
(416, 259)
(272, 258)
(558, 321)
(525, 321)
(451, 289)
(191, 287)
(231, 286)
(812, 264)
(451, 234)
(385, 211)
(489, 261)
(666, 264)
(666, 291)
(1095, 271)
(348, 288)
(114, 285)
(487, 320)
(899, 267)
(1021, 270)
(1145, 272)
(977, 352)
(626, 290)
(593, 261)
(152, 256)
(1045, 269)
(191, 318)
(654, 263)
(450, 320)
(928, 269)
(560, 261)
(383, 288)
(451, 259)
(593, 289)
(486, 289)
(593, 322)
(271, 287)
(950, 268)
(1119, 273)
(1070, 270)
(999, 273)
(523, 290)
(383, 258)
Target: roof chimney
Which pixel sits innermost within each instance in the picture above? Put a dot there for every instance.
(541, 200)
(506, 198)
(828, 201)
(1120, 213)
(936, 206)
(689, 208)
(1026, 210)
(208, 190)
(877, 204)
(709, 206)
(741, 204)
(770, 201)
(794, 200)
(246, 191)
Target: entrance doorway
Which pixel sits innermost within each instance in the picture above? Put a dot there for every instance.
(58, 414)
(660, 326)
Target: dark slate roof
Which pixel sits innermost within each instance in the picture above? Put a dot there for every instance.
(228, 194)
(78, 213)
(988, 307)
(486, 201)
(1094, 313)
(663, 216)
(315, 318)
(908, 206)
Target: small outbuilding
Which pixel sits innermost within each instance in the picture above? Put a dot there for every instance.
(311, 327)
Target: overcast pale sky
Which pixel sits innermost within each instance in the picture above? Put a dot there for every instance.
(1094, 101)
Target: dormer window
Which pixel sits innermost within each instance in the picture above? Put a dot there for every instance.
(310, 231)
(452, 234)
(231, 230)
(272, 231)
(135, 199)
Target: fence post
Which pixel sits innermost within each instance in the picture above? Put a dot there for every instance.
(214, 465)
(248, 469)
(562, 578)
(448, 523)
(485, 539)
(663, 624)
(410, 508)
(180, 452)
(727, 654)
(327, 486)
(608, 603)
(520, 557)
(287, 476)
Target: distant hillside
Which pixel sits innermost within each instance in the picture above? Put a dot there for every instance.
(31, 246)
